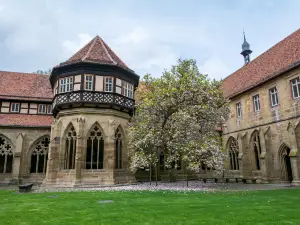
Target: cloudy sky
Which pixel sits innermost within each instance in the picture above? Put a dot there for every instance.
(148, 35)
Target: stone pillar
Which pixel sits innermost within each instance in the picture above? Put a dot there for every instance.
(53, 155)
(17, 158)
(263, 161)
(79, 151)
(295, 169)
(293, 153)
(240, 156)
(109, 154)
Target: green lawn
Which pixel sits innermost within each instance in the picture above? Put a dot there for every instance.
(145, 207)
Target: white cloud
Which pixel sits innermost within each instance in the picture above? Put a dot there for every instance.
(144, 51)
(215, 68)
(69, 47)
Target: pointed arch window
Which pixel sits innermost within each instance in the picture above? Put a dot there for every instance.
(95, 149)
(257, 150)
(70, 148)
(118, 149)
(6, 155)
(39, 156)
(233, 154)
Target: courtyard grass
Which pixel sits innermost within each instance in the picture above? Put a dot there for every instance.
(151, 207)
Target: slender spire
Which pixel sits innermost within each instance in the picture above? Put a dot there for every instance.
(246, 49)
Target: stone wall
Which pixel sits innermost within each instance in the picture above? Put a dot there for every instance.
(277, 127)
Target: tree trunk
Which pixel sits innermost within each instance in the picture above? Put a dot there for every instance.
(156, 174)
(150, 173)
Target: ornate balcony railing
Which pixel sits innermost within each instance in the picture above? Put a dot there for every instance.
(93, 97)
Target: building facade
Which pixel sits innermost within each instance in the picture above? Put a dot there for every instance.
(68, 129)
(262, 134)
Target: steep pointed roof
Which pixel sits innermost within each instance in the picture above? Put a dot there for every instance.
(96, 51)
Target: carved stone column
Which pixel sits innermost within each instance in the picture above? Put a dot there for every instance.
(79, 151)
(293, 153)
(263, 161)
(109, 152)
(17, 158)
(53, 155)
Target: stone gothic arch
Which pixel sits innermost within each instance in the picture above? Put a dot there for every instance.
(94, 155)
(6, 154)
(119, 147)
(255, 148)
(233, 152)
(285, 162)
(39, 155)
(70, 143)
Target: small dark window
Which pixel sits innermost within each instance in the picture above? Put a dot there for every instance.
(49, 109)
(295, 86)
(239, 110)
(273, 96)
(42, 109)
(256, 103)
(15, 107)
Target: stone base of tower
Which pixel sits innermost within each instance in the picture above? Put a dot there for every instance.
(74, 141)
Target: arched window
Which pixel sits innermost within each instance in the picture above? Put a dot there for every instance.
(6, 155)
(39, 156)
(118, 149)
(70, 148)
(256, 149)
(95, 149)
(233, 154)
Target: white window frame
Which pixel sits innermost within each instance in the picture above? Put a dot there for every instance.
(108, 84)
(128, 90)
(273, 93)
(65, 84)
(239, 110)
(88, 82)
(49, 109)
(295, 86)
(256, 103)
(15, 107)
(42, 109)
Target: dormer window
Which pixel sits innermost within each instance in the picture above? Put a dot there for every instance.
(15, 107)
(108, 84)
(42, 109)
(128, 90)
(88, 82)
(66, 84)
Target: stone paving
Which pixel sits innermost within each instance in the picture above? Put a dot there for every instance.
(174, 186)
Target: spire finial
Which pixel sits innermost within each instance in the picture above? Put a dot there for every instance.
(246, 49)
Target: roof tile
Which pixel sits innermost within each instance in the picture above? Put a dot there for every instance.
(25, 120)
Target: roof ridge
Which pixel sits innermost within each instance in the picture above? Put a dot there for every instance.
(88, 52)
(24, 73)
(109, 56)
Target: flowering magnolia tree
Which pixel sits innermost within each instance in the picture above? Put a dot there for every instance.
(178, 114)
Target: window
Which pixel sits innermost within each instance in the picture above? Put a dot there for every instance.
(256, 103)
(88, 82)
(108, 84)
(42, 108)
(118, 149)
(256, 149)
(95, 149)
(128, 90)
(15, 107)
(6, 155)
(273, 96)
(295, 85)
(234, 154)
(70, 148)
(49, 109)
(66, 84)
(39, 155)
(238, 109)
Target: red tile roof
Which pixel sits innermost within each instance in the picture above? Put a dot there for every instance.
(278, 59)
(27, 86)
(25, 120)
(96, 51)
